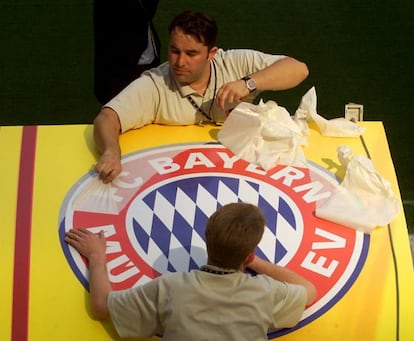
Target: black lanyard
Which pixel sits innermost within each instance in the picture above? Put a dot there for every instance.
(194, 104)
(217, 271)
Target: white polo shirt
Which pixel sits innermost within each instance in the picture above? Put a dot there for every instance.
(156, 96)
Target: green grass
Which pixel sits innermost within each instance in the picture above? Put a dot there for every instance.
(357, 52)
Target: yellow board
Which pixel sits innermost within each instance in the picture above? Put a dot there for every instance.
(378, 306)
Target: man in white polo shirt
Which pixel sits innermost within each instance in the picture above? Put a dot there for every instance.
(199, 83)
(219, 301)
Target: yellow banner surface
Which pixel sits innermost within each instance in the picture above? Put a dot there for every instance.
(42, 294)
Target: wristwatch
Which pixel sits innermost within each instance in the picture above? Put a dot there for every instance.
(250, 83)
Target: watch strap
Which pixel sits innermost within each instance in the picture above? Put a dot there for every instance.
(250, 83)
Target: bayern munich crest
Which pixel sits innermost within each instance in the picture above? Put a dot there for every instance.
(154, 217)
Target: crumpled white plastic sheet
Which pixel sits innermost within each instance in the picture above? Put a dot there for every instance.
(364, 199)
(336, 127)
(263, 134)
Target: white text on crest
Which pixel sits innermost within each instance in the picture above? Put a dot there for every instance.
(312, 191)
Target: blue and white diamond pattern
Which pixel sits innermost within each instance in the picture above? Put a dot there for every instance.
(166, 223)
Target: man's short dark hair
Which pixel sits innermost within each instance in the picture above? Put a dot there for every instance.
(200, 26)
(233, 232)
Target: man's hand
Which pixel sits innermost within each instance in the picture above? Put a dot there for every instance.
(88, 244)
(231, 93)
(108, 166)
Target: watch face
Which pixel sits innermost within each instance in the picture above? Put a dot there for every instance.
(251, 84)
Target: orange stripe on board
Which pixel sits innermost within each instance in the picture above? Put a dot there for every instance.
(21, 274)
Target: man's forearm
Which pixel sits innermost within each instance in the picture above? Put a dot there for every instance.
(283, 274)
(106, 131)
(93, 246)
(99, 287)
(284, 74)
(106, 134)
